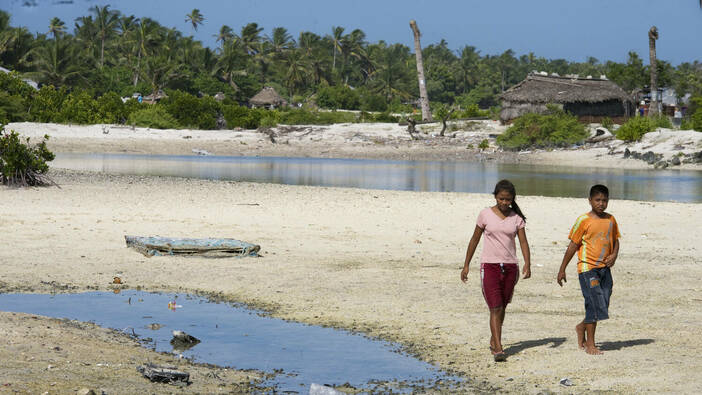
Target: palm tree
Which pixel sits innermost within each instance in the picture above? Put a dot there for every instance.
(56, 27)
(251, 37)
(337, 34)
(652, 37)
(195, 18)
(57, 64)
(231, 62)
(106, 22)
(146, 38)
(423, 97)
(281, 40)
(297, 70)
(225, 34)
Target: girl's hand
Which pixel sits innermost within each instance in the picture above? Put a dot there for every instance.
(464, 274)
(526, 271)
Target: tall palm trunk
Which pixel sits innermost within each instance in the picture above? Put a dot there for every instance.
(652, 37)
(423, 97)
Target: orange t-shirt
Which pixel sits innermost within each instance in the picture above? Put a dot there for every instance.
(596, 237)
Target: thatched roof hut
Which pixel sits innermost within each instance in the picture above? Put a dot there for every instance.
(267, 97)
(588, 98)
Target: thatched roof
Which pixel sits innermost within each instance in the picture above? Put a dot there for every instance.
(538, 88)
(267, 96)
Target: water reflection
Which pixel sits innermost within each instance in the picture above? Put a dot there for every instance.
(658, 185)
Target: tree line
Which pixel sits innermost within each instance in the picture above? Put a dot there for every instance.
(108, 51)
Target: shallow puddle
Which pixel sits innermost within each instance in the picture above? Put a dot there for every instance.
(242, 338)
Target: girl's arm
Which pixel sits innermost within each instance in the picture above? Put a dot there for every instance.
(524, 244)
(471, 250)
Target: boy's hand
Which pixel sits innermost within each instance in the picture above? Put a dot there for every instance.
(526, 271)
(610, 259)
(561, 278)
(464, 274)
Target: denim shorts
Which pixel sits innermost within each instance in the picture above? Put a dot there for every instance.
(596, 285)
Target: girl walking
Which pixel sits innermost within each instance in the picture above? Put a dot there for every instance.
(499, 268)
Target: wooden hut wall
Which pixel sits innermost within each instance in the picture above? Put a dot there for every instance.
(609, 108)
(512, 110)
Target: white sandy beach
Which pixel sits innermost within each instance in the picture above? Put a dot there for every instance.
(385, 263)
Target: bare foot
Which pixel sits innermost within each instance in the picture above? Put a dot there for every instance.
(580, 330)
(592, 350)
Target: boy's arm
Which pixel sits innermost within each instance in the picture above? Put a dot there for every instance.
(611, 258)
(471, 250)
(570, 251)
(524, 244)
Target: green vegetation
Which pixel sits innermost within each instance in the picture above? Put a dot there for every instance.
(607, 123)
(636, 127)
(106, 54)
(153, 117)
(556, 128)
(484, 144)
(23, 164)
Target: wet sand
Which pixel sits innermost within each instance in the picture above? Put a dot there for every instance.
(385, 263)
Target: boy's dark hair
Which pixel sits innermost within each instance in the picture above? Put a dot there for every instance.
(506, 185)
(599, 188)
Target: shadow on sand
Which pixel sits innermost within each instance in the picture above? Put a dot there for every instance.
(618, 345)
(521, 346)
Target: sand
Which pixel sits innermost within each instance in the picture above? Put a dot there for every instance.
(384, 263)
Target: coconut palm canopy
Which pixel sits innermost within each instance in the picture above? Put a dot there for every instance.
(267, 96)
(544, 89)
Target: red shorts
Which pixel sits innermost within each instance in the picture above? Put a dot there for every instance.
(497, 281)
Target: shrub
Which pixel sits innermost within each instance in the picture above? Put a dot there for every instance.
(636, 127)
(269, 120)
(153, 116)
(556, 128)
(111, 109)
(241, 117)
(373, 102)
(22, 164)
(383, 117)
(340, 96)
(607, 123)
(14, 85)
(484, 144)
(192, 112)
(471, 111)
(13, 108)
(696, 120)
(46, 104)
(79, 107)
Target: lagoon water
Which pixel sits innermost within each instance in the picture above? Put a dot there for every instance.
(240, 338)
(448, 176)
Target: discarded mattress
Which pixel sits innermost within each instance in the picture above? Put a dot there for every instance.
(151, 246)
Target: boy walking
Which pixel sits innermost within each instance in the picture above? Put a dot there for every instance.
(595, 236)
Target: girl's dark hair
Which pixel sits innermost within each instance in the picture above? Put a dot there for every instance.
(506, 185)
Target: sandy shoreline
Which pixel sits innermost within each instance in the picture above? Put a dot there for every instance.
(363, 141)
(384, 263)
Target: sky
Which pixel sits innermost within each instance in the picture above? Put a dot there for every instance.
(572, 30)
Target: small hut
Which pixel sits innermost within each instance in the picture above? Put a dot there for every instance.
(590, 99)
(267, 98)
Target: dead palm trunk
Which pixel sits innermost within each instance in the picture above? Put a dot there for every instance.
(423, 97)
(652, 37)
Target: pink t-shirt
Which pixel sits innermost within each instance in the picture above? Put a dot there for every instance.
(498, 236)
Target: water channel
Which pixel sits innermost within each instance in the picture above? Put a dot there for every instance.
(480, 177)
(233, 336)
